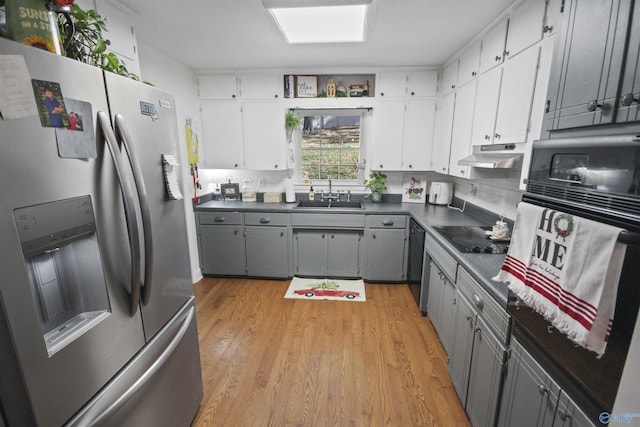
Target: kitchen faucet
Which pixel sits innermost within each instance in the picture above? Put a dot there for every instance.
(331, 196)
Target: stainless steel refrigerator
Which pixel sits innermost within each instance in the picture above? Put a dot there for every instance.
(97, 320)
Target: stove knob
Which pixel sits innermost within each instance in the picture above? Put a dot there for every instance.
(488, 250)
(476, 249)
(505, 249)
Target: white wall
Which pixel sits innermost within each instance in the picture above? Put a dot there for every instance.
(174, 77)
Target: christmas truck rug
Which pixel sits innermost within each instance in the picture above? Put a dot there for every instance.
(326, 289)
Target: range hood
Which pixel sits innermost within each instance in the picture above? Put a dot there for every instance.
(495, 156)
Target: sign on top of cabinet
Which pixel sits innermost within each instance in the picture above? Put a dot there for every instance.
(222, 87)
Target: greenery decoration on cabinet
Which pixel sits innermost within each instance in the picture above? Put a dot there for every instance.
(376, 184)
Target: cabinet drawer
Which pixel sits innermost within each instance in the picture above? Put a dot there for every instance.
(327, 221)
(440, 256)
(226, 218)
(257, 218)
(488, 309)
(386, 221)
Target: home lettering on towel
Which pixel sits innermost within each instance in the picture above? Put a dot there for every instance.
(547, 249)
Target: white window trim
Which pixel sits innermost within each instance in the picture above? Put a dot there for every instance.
(365, 138)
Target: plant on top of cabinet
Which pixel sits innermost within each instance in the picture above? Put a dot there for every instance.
(377, 184)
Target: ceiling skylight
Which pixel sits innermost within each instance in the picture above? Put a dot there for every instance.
(328, 21)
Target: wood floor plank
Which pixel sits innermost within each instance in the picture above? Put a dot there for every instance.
(271, 361)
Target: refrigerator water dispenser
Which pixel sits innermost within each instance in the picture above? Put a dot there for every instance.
(64, 266)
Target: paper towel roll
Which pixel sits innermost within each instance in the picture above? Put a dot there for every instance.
(289, 190)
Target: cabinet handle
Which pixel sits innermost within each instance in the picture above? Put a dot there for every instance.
(461, 171)
(265, 220)
(381, 93)
(410, 166)
(487, 137)
(332, 236)
(235, 232)
(453, 86)
(506, 53)
(387, 223)
(469, 318)
(564, 415)
(628, 99)
(275, 166)
(498, 58)
(281, 233)
(497, 136)
(323, 236)
(593, 105)
(547, 29)
(380, 166)
(220, 219)
(276, 95)
(478, 301)
(413, 93)
(233, 96)
(235, 165)
(473, 73)
(542, 390)
(373, 235)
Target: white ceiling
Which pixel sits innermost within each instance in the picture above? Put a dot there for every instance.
(240, 34)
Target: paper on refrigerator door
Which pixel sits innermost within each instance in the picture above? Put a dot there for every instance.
(170, 170)
(16, 93)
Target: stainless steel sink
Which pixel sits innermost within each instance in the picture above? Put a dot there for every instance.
(328, 204)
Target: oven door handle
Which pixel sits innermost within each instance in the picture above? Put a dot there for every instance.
(628, 238)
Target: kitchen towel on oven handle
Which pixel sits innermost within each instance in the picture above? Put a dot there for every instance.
(567, 269)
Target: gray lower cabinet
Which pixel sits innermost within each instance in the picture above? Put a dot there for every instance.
(441, 306)
(462, 345)
(332, 253)
(267, 238)
(385, 250)
(531, 398)
(222, 245)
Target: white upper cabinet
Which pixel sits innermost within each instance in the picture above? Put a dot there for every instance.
(422, 83)
(462, 124)
(449, 77)
(493, 46)
(469, 64)
(392, 84)
(223, 87)
(121, 34)
(526, 26)
(388, 133)
(222, 135)
(486, 107)
(265, 87)
(419, 122)
(442, 135)
(516, 97)
(264, 135)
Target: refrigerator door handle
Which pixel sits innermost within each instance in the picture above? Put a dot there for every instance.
(145, 377)
(129, 210)
(124, 137)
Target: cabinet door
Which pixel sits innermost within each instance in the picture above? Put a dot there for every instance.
(222, 250)
(462, 127)
(264, 135)
(486, 107)
(516, 97)
(385, 254)
(434, 302)
(219, 87)
(449, 77)
(222, 135)
(629, 100)
(460, 355)
(526, 25)
(121, 35)
(388, 132)
(447, 315)
(267, 251)
(419, 122)
(423, 83)
(485, 376)
(588, 63)
(392, 84)
(529, 398)
(261, 87)
(442, 140)
(493, 45)
(343, 257)
(311, 253)
(469, 64)
(570, 415)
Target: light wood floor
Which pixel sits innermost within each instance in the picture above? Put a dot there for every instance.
(271, 361)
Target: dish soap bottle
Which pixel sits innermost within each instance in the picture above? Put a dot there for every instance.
(312, 195)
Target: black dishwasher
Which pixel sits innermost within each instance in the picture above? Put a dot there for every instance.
(416, 254)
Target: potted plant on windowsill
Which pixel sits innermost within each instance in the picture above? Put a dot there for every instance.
(291, 123)
(376, 184)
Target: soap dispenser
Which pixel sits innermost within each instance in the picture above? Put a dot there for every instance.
(312, 195)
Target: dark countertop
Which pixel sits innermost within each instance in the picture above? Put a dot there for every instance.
(481, 266)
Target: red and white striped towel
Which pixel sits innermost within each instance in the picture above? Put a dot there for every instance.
(567, 269)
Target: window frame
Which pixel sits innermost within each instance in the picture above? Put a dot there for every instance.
(364, 114)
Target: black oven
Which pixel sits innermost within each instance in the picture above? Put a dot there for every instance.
(596, 178)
